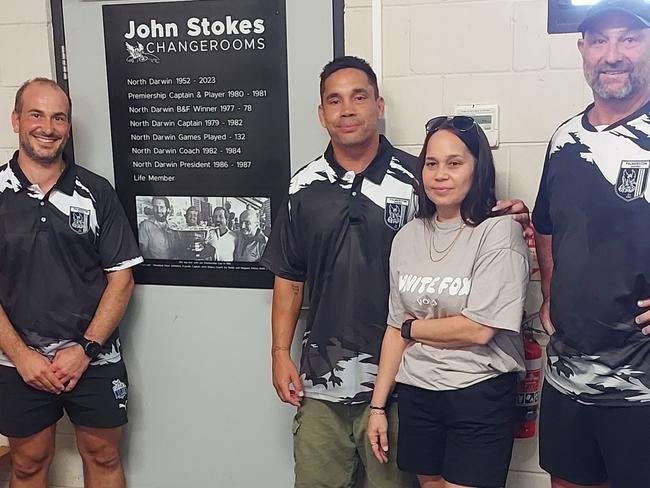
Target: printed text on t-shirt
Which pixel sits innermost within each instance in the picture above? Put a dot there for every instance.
(434, 284)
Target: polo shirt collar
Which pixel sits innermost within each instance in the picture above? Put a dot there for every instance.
(65, 183)
(375, 171)
(645, 109)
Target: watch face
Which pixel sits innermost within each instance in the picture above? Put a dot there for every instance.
(92, 349)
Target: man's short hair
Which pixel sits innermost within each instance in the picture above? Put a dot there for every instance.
(344, 62)
(18, 102)
(191, 209)
(164, 199)
(225, 212)
(249, 214)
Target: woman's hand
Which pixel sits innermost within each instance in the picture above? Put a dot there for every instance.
(378, 434)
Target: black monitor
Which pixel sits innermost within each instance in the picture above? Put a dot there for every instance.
(566, 15)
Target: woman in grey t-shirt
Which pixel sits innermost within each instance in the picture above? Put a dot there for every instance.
(458, 284)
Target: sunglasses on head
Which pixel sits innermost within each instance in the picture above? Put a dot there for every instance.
(461, 123)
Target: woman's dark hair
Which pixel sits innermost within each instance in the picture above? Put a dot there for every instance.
(479, 201)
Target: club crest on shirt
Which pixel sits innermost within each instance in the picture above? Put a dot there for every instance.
(395, 212)
(632, 180)
(79, 220)
(119, 389)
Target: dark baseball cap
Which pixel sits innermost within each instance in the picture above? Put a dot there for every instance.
(638, 9)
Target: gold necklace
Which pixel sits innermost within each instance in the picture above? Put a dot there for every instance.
(447, 250)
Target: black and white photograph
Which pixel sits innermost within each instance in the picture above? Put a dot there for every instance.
(188, 228)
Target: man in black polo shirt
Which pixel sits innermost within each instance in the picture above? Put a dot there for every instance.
(593, 244)
(66, 252)
(335, 233)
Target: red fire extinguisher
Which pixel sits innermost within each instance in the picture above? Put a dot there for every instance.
(529, 388)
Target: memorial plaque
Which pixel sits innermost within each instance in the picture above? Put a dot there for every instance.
(200, 134)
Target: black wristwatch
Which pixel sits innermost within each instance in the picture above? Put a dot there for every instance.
(406, 329)
(91, 348)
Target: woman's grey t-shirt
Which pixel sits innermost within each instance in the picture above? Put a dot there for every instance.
(483, 277)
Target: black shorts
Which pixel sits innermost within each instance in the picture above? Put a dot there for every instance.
(98, 400)
(588, 444)
(464, 435)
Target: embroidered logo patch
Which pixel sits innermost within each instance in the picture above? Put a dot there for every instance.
(395, 212)
(79, 220)
(119, 390)
(632, 179)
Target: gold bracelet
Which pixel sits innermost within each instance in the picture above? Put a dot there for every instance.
(377, 412)
(279, 348)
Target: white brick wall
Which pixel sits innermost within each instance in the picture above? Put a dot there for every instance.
(25, 37)
(441, 53)
(26, 52)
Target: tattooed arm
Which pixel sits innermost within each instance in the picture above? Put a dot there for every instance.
(287, 299)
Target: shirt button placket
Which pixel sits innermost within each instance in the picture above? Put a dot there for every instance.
(354, 202)
(43, 218)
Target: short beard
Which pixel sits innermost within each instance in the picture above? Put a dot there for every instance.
(638, 80)
(46, 160)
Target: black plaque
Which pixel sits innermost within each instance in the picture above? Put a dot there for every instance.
(200, 132)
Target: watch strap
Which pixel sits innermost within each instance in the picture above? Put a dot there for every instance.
(91, 348)
(405, 331)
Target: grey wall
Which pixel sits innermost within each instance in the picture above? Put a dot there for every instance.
(203, 412)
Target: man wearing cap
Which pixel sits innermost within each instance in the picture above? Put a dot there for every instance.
(593, 244)
(66, 253)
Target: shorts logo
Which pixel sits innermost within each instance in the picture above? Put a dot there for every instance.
(632, 180)
(395, 212)
(79, 220)
(119, 389)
